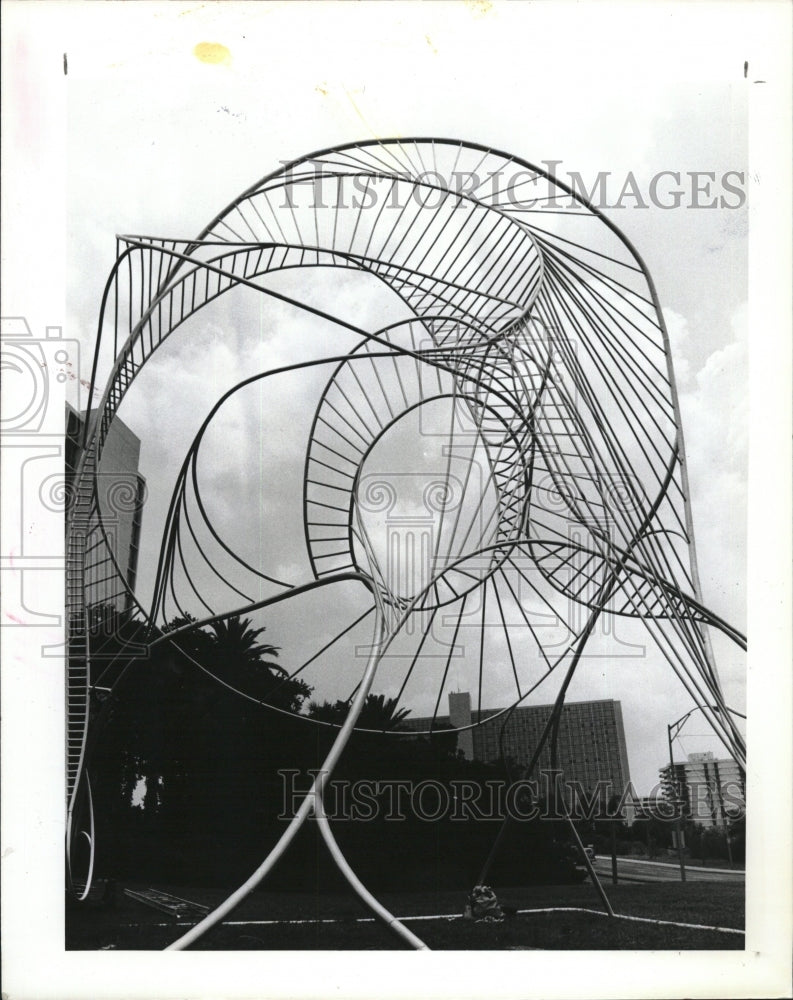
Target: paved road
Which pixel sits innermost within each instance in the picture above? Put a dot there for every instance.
(635, 870)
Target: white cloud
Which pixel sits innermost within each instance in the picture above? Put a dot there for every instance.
(714, 410)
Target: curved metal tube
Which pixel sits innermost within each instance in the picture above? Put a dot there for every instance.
(91, 846)
(393, 923)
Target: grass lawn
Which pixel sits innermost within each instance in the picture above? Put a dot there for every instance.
(129, 925)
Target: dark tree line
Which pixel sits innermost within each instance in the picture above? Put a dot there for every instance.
(192, 747)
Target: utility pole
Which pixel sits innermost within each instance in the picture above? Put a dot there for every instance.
(612, 807)
(677, 804)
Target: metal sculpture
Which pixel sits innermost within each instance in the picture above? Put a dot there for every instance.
(530, 330)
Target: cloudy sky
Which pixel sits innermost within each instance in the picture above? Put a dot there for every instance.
(160, 150)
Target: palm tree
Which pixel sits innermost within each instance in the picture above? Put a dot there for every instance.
(378, 712)
(247, 665)
(235, 640)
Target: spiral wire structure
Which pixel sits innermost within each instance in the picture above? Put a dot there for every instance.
(532, 336)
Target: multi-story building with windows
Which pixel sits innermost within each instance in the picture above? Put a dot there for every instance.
(591, 744)
(113, 547)
(712, 790)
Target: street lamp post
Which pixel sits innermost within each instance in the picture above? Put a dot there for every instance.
(677, 804)
(677, 726)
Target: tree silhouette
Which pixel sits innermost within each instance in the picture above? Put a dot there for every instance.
(240, 660)
(234, 638)
(378, 712)
(189, 737)
(229, 652)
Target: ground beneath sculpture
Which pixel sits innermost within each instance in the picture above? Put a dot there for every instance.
(337, 922)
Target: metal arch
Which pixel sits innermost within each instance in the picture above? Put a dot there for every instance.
(590, 396)
(177, 259)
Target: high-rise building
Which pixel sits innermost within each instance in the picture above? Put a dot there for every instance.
(712, 790)
(113, 545)
(591, 749)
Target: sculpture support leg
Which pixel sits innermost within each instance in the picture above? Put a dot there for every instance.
(90, 836)
(360, 889)
(300, 816)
